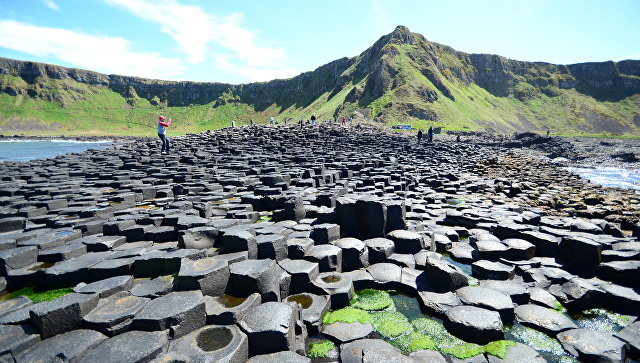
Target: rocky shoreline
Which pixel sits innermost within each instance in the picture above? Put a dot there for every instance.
(264, 243)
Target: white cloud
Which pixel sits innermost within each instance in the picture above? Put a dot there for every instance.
(201, 35)
(51, 5)
(93, 52)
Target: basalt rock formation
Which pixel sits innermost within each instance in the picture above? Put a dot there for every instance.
(246, 243)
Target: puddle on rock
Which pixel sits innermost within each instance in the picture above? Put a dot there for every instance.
(331, 279)
(600, 319)
(231, 301)
(213, 339)
(42, 266)
(303, 300)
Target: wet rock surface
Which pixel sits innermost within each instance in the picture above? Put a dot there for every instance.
(242, 239)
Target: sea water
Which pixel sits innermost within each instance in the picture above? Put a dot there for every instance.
(611, 177)
(25, 150)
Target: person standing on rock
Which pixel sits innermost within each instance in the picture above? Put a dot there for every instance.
(419, 136)
(430, 134)
(271, 120)
(313, 119)
(162, 134)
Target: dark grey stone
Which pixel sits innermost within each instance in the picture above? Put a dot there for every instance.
(355, 254)
(14, 304)
(488, 299)
(280, 357)
(490, 270)
(372, 217)
(312, 308)
(114, 315)
(406, 242)
(107, 287)
(227, 310)
(325, 233)
(297, 247)
(328, 257)
(438, 303)
(474, 324)
(379, 249)
(180, 312)
(17, 338)
(543, 319)
(270, 328)
(209, 275)
(133, 346)
(213, 343)
(252, 276)
(16, 258)
(198, 237)
(593, 345)
(445, 276)
(99, 242)
(64, 252)
(153, 288)
(347, 332)
(354, 352)
(69, 346)
(62, 314)
(517, 291)
(631, 335)
(338, 287)
(273, 246)
(237, 240)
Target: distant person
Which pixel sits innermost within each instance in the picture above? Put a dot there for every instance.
(233, 123)
(251, 122)
(313, 119)
(547, 132)
(344, 121)
(162, 134)
(458, 138)
(430, 134)
(271, 120)
(419, 136)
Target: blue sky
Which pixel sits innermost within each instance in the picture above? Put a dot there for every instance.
(242, 41)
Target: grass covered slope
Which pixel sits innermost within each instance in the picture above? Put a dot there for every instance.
(402, 78)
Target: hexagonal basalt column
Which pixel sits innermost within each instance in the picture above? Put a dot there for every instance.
(209, 275)
(213, 344)
(251, 276)
(270, 328)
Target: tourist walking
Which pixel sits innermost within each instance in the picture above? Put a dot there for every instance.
(430, 134)
(162, 134)
(419, 136)
(313, 119)
(271, 120)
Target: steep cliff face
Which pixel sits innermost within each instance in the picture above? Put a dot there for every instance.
(402, 77)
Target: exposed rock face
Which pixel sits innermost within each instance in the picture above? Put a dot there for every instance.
(388, 67)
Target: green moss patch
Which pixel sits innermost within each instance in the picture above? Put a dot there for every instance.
(37, 295)
(461, 349)
(499, 348)
(390, 324)
(320, 349)
(370, 299)
(346, 315)
(413, 342)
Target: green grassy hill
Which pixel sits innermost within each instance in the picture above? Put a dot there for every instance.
(402, 78)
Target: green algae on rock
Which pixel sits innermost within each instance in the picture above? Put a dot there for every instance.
(371, 299)
(37, 295)
(320, 349)
(601, 320)
(499, 348)
(390, 323)
(413, 342)
(346, 315)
